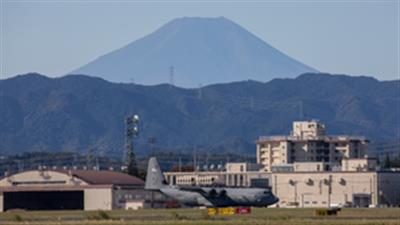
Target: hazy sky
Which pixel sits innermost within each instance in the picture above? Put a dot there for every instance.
(56, 37)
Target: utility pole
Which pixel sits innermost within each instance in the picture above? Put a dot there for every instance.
(195, 160)
(97, 163)
(207, 156)
(171, 75)
(74, 160)
(180, 164)
(89, 159)
(131, 131)
(152, 141)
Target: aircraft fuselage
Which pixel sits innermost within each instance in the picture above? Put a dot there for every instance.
(221, 197)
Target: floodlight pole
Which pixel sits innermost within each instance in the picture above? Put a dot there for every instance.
(131, 131)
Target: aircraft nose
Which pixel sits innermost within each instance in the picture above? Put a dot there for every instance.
(272, 200)
(269, 200)
(276, 199)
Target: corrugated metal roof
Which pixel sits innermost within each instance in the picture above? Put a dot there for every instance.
(104, 177)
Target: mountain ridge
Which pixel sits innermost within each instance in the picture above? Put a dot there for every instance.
(80, 112)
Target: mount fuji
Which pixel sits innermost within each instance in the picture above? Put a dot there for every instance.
(197, 51)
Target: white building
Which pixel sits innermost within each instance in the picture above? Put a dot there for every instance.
(323, 189)
(308, 143)
(308, 188)
(309, 169)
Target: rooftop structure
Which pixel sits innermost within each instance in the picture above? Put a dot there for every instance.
(308, 129)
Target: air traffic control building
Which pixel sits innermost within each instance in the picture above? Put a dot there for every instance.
(308, 169)
(70, 189)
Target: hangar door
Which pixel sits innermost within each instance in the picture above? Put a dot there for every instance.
(43, 200)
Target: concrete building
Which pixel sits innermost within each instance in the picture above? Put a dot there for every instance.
(323, 189)
(308, 143)
(69, 189)
(309, 169)
(242, 167)
(363, 164)
(308, 188)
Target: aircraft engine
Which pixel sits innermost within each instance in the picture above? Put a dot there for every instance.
(212, 193)
(222, 193)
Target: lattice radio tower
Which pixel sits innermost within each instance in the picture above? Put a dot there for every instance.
(131, 131)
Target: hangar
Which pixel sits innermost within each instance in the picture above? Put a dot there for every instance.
(69, 190)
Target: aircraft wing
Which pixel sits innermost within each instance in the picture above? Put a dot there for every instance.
(194, 189)
(217, 198)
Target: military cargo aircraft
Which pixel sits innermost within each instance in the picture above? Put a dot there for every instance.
(207, 196)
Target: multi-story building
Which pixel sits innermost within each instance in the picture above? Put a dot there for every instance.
(306, 187)
(308, 143)
(309, 169)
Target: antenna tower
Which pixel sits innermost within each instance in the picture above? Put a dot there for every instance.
(131, 131)
(171, 75)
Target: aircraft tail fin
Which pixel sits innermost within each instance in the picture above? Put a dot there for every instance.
(154, 178)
